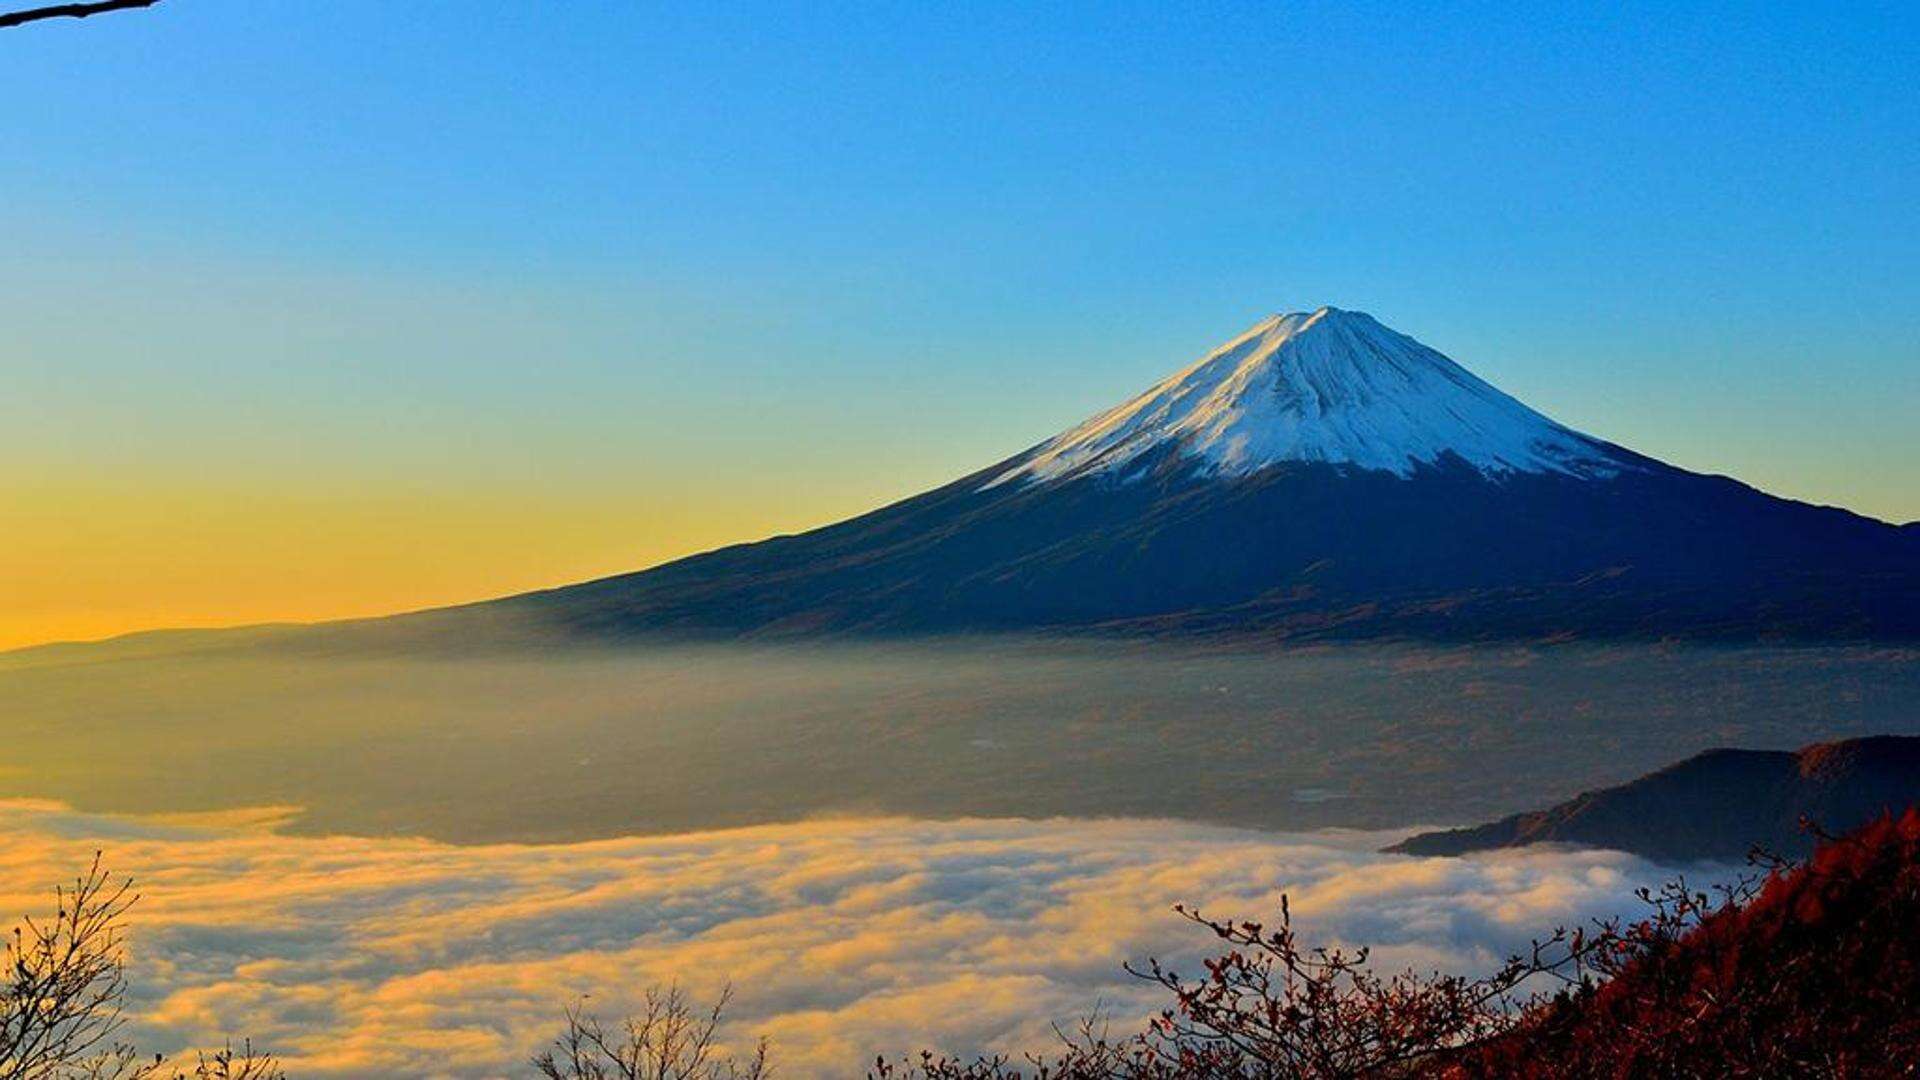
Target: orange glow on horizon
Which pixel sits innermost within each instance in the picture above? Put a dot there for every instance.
(83, 561)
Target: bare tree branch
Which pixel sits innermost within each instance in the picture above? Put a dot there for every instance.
(671, 1039)
(70, 11)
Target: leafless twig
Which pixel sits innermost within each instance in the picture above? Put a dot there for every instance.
(70, 11)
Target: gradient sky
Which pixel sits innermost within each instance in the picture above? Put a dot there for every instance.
(316, 309)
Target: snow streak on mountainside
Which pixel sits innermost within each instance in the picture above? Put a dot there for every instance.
(1333, 387)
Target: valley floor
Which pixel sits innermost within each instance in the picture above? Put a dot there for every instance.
(566, 746)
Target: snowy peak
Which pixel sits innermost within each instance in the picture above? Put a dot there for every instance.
(1326, 386)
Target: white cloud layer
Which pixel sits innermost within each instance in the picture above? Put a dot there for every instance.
(353, 957)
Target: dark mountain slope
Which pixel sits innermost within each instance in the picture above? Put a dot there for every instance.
(1718, 804)
(1307, 549)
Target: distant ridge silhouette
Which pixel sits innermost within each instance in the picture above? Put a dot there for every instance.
(1718, 804)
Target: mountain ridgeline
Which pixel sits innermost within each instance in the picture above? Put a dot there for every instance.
(1718, 804)
(1317, 477)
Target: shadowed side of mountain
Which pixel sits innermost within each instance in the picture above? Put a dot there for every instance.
(1300, 551)
(1718, 804)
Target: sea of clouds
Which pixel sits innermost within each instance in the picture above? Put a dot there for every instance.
(358, 957)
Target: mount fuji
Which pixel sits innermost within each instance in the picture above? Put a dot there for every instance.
(1319, 476)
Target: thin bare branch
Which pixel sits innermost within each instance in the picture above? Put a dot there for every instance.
(70, 11)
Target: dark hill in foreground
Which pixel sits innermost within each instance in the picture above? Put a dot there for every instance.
(1718, 804)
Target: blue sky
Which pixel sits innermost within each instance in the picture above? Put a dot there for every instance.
(665, 277)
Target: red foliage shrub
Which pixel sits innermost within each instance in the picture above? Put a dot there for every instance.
(1813, 971)
(1818, 974)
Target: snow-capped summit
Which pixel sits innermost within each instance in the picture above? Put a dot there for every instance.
(1326, 386)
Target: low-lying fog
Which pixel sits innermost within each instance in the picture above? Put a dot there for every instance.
(664, 739)
(372, 958)
(393, 939)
